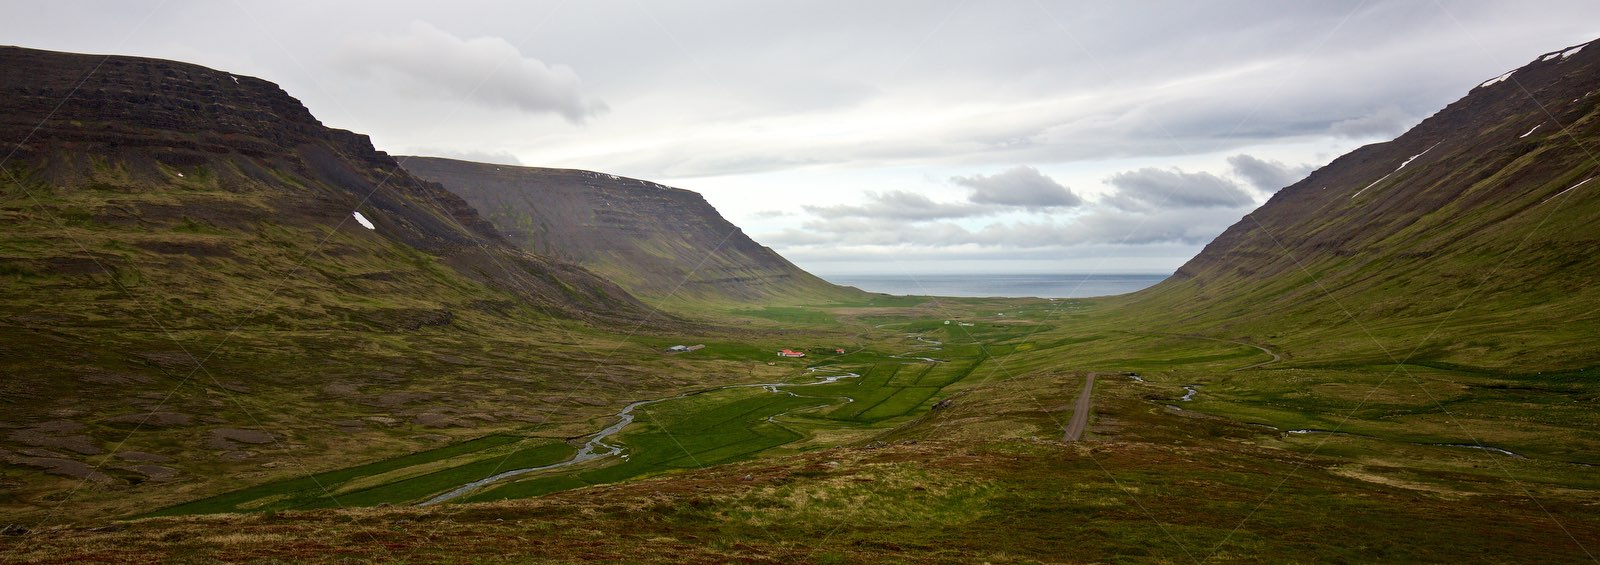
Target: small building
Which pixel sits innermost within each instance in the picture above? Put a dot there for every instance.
(790, 353)
(695, 347)
(678, 348)
(839, 350)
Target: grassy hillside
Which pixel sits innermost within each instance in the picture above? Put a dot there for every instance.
(1466, 240)
(191, 305)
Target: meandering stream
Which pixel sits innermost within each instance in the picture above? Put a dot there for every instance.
(928, 344)
(597, 448)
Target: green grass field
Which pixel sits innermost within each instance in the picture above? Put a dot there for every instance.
(487, 455)
(734, 424)
(1218, 477)
(694, 431)
(1411, 413)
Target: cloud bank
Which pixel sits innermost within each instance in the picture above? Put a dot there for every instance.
(1022, 186)
(1023, 212)
(485, 70)
(1266, 175)
(1151, 189)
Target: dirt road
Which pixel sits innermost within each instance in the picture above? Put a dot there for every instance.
(1080, 411)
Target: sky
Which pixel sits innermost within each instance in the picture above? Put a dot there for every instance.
(873, 137)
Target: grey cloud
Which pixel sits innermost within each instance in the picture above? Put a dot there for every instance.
(1105, 226)
(1187, 226)
(1388, 121)
(1151, 188)
(1268, 176)
(1020, 186)
(940, 257)
(901, 205)
(486, 70)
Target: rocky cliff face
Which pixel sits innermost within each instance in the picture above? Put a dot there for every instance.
(185, 110)
(180, 141)
(654, 240)
(1479, 217)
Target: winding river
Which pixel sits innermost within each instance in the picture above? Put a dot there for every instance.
(597, 448)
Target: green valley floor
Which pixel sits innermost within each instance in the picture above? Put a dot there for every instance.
(936, 436)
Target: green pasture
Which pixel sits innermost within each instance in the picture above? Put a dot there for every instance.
(462, 463)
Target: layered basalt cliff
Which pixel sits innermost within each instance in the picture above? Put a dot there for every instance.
(655, 240)
(180, 136)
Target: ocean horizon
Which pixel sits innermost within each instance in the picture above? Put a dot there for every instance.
(1017, 285)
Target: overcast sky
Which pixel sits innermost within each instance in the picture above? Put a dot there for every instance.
(1025, 136)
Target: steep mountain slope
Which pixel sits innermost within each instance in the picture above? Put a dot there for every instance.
(229, 152)
(654, 240)
(1468, 239)
(189, 302)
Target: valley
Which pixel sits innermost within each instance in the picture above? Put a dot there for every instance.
(938, 459)
(235, 334)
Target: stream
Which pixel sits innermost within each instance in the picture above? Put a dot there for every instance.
(597, 448)
(591, 451)
(928, 344)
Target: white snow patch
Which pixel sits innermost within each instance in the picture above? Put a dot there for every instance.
(1569, 189)
(1396, 170)
(180, 175)
(1550, 56)
(1498, 79)
(363, 221)
(1414, 157)
(1530, 132)
(235, 79)
(1573, 51)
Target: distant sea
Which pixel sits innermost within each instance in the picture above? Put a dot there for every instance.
(1015, 285)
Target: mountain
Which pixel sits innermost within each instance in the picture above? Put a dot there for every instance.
(1468, 239)
(171, 348)
(203, 287)
(162, 144)
(654, 240)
